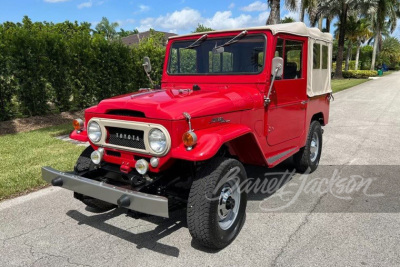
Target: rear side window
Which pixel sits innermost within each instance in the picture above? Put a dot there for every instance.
(292, 53)
(325, 57)
(317, 56)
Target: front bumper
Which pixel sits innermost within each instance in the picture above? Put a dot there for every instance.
(137, 201)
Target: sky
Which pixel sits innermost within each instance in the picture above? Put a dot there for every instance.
(180, 16)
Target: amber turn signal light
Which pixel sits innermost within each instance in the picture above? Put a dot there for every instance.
(78, 124)
(189, 139)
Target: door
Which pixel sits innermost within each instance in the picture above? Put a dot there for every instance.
(286, 113)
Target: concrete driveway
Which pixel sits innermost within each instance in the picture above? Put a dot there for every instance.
(50, 228)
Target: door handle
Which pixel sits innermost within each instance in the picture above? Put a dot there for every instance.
(303, 102)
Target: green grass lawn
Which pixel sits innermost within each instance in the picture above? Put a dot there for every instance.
(339, 85)
(22, 155)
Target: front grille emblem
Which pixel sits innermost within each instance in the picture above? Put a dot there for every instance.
(127, 137)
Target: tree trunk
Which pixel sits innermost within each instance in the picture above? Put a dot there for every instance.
(275, 14)
(374, 52)
(357, 55)
(328, 24)
(342, 32)
(320, 23)
(302, 11)
(349, 47)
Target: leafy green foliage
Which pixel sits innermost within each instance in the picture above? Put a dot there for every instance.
(390, 53)
(46, 67)
(359, 74)
(202, 28)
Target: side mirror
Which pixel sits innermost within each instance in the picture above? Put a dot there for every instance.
(277, 67)
(277, 72)
(146, 64)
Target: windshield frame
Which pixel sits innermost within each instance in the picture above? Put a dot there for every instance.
(260, 34)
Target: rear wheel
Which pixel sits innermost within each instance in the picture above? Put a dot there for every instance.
(217, 205)
(84, 164)
(307, 159)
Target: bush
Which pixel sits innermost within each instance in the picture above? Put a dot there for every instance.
(46, 67)
(359, 74)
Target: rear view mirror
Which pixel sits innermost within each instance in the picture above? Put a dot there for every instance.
(218, 50)
(277, 67)
(146, 64)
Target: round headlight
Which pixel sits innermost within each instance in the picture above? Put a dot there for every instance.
(94, 131)
(157, 141)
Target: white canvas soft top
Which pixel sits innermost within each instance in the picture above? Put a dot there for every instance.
(295, 28)
(318, 79)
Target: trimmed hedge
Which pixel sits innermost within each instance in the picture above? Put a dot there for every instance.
(47, 68)
(359, 74)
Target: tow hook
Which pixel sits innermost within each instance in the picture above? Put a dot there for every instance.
(125, 168)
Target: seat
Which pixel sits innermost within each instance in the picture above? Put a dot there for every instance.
(290, 70)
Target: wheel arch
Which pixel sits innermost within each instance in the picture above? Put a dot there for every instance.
(238, 140)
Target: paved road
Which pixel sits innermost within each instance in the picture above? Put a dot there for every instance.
(50, 228)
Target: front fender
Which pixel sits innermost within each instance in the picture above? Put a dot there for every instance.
(209, 141)
(81, 136)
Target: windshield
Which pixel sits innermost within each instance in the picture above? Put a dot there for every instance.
(245, 56)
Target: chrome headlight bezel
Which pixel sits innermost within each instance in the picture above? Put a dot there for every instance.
(94, 132)
(157, 146)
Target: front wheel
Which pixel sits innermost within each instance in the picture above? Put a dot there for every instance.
(307, 159)
(217, 203)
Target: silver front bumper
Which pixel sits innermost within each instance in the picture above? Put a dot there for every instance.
(141, 202)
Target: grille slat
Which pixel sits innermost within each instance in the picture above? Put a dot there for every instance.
(126, 137)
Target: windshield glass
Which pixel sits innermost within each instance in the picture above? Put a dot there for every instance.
(245, 56)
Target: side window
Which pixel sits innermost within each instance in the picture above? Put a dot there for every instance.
(292, 54)
(293, 60)
(316, 56)
(279, 48)
(325, 57)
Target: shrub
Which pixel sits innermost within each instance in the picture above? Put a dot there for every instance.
(46, 67)
(359, 74)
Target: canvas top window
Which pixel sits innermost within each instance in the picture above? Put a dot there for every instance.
(246, 56)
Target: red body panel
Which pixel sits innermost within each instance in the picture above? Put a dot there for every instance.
(254, 133)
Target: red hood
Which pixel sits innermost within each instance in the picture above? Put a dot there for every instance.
(171, 103)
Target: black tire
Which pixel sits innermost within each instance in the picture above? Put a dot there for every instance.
(303, 159)
(84, 164)
(203, 220)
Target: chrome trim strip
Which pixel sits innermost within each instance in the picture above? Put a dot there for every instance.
(279, 156)
(149, 204)
(134, 125)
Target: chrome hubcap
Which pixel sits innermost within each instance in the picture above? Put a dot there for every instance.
(228, 204)
(314, 147)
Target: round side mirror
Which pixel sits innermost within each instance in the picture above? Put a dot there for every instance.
(146, 64)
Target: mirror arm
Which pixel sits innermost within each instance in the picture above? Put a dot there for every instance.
(266, 98)
(148, 75)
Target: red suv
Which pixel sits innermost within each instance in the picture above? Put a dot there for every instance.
(227, 98)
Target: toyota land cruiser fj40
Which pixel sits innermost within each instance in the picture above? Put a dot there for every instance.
(227, 98)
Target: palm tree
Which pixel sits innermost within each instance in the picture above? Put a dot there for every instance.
(357, 31)
(363, 33)
(341, 9)
(386, 9)
(275, 13)
(107, 28)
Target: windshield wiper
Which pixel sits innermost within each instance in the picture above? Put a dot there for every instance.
(195, 43)
(232, 41)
